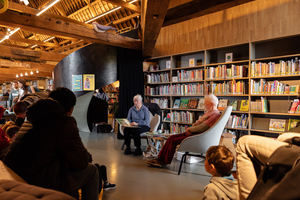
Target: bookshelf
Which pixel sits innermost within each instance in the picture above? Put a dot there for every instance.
(112, 91)
(273, 63)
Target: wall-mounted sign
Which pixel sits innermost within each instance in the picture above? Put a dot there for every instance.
(88, 82)
(76, 82)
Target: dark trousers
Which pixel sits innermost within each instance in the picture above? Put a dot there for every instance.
(135, 134)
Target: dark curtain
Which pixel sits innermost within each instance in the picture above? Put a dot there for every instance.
(131, 77)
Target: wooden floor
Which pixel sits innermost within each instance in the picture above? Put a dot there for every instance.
(137, 181)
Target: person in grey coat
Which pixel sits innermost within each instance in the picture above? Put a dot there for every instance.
(219, 162)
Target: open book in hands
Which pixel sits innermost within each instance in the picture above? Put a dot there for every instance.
(124, 122)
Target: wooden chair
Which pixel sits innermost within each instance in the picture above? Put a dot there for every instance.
(197, 145)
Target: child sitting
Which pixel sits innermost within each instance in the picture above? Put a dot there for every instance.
(11, 132)
(219, 162)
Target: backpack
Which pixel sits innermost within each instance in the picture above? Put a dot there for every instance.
(281, 174)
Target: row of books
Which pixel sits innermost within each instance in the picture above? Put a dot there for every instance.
(273, 87)
(237, 105)
(259, 105)
(227, 88)
(182, 116)
(187, 89)
(224, 72)
(290, 67)
(158, 78)
(175, 128)
(279, 124)
(192, 103)
(235, 121)
(160, 90)
(162, 102)
(189, 75)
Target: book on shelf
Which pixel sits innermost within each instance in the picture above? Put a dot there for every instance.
(236, 121)
(256, 106)
(174, 79)
(294, 106)
(277, 125)
(168, 64)
(244, 106)
(264, 105)
(234, 104)
(146, 65)
(223, 103)
(193, 103)
(191, 62)
(176, 103)
(153, 67)
(184, 103)
(293, 123)
(201, 104)
(168, 117)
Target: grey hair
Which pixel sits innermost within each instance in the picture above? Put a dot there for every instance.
(212, 98)
(138, 96)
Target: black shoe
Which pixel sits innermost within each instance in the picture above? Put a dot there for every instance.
(127, 151)
(138, 152)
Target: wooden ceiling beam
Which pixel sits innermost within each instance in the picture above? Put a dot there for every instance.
(28, 41)
(198, 8)
(27, 65)
(125, 5)
(12, 71)
(58, 27)
(19, 53)
(153, 16)
(125, 19)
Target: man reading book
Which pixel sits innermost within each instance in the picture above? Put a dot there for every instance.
(202, 124)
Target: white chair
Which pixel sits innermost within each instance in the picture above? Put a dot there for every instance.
(197, 145)
(154, 123)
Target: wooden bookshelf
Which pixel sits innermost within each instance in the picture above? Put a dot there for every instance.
(243, 55)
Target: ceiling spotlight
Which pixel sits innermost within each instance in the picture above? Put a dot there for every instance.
(8, 29)
(37, 70)
(31, 72)
(21, 75)
(26, 74)
(17, 76)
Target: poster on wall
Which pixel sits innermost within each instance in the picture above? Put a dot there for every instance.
(76, 82)
(89, 82)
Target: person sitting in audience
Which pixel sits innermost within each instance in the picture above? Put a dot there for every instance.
(25, 89)
(13, 95)
(48, 152)
(20, 109)
(138, 115)
(11, 132)
(7, 124)
(252, 153)
(219, 162)
(206, 121)
(67, 99)
(4, 140)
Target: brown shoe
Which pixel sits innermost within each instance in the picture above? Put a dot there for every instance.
(156, 163)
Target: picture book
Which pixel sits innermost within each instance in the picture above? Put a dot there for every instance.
(123, 121)
(191, 62)
(277, 125)
(264, 105)
(176, 103)
(234, 105)
(193, 103)
(223, 103)
(184, 103)
(244, 105)
(293, 123)
(294, 106)
(201, 104)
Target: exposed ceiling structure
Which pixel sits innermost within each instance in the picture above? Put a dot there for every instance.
(32, 39)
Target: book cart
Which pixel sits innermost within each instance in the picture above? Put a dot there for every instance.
(263, 74)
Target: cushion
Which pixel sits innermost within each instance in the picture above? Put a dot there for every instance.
(14, 190)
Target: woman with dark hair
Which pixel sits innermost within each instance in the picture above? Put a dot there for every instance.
(25, 89)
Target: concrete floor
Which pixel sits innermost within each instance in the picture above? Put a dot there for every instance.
(136, 180)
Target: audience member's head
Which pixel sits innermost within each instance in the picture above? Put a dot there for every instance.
(65, 97)
(47, 91)
(11, 132)
(20, 109)
(22, 84)
(44, 112)
(15, 84)
(219, 161)
(34, 97)
(7, 124)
